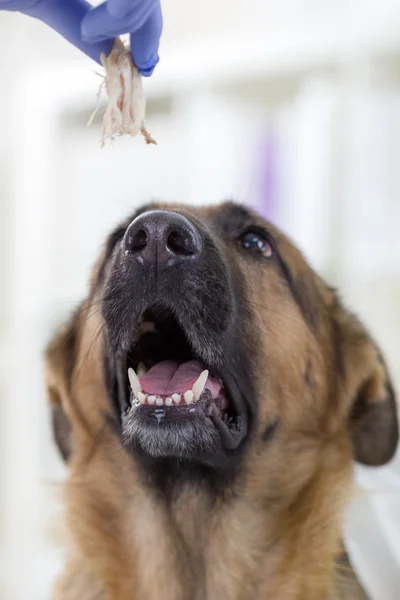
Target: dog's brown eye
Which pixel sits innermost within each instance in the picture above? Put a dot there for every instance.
(255, 242)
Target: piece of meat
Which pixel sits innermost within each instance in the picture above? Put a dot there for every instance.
(126, 108)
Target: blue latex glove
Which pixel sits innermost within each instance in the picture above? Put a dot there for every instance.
(93, 30)
(141, 18)
(65, 17)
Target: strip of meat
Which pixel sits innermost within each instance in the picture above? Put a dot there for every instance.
(126, 108)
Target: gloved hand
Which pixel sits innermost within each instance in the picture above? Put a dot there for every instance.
(93, 30)
(141, 18)
(65, 17)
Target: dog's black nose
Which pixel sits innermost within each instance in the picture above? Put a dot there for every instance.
(162, 237)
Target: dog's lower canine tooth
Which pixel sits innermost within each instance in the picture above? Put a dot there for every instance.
(176, 398)
(141, 397)
(151, 399)
(188, 397)
(134, 382)
(199, 384)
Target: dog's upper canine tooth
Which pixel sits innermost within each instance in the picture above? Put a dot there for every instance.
(134, 382)
(141, 369)
(189, 397)
(147, 326)
(199, 384)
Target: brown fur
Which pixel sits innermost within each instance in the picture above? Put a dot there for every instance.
(275, 533)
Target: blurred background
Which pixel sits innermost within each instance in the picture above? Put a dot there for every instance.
(292, 106)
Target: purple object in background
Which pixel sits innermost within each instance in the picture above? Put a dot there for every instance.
(266, 178)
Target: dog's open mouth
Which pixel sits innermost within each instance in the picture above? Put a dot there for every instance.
(163, 380)
(170, 383)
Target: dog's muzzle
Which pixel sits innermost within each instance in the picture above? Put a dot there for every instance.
(169, 313)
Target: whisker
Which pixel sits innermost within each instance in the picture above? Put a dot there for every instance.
(92, 346)
(271, 325)
(81, 321)
(81, 417)
(277, 312)
(263, 330)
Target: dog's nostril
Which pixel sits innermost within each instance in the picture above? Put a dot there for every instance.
(136, 241)
(180, 242)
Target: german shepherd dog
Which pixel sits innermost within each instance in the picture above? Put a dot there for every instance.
(209, 396)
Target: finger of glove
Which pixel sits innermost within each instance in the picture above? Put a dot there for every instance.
(65, 18)
(120, 8)
(98, 25)
(18, 5)
(145, 42)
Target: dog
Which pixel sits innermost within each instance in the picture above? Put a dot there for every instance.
(209, 397)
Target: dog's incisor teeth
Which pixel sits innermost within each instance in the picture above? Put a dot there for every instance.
(198, 386)
(151, 399)
(176, 398)
(159, 401)
(134, 382)
(168, 401)
(188, 397)
(141, 369)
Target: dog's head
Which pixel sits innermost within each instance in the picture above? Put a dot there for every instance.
(206, 339)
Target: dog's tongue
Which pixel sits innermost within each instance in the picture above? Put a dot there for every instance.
(169, 377)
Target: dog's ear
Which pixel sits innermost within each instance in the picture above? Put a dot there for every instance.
(369, 396)
(60, 361)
